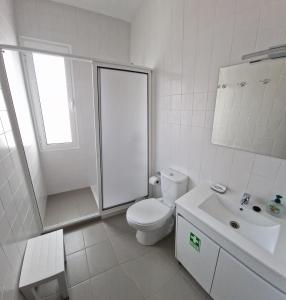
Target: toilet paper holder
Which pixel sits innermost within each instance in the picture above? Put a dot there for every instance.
(155, 180)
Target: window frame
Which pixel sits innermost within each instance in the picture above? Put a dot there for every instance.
(32, 88)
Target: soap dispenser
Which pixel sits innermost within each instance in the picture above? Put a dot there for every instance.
(275, 207)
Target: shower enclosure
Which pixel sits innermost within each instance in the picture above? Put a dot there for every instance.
(123, 104)
(82, 127)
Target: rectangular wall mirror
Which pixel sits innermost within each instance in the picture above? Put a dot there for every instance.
(250, 112)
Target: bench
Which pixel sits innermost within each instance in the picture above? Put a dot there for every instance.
(44, 261)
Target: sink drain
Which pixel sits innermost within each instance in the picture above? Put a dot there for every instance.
(234, 224)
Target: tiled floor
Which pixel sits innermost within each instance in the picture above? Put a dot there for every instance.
(105, 262)
(64, 207)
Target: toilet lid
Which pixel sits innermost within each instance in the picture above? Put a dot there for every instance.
(148, 211)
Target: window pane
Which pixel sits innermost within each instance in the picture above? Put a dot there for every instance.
(52, 86)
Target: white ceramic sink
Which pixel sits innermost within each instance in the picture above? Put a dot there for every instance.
(260, 240)
(252, 225)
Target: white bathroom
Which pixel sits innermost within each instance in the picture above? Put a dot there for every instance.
(142, 149)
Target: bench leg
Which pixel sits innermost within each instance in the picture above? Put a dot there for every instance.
(30, 293)
(63, 285)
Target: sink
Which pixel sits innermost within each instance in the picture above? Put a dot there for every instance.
(252, 225)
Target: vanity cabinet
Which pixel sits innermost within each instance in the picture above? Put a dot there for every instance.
(218, 272)
(197, 253)
(233, 280)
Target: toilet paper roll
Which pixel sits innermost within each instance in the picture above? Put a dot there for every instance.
(154, 180)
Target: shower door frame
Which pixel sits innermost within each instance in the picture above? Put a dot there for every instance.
(95, 63)
(8, 99)
(128, 68)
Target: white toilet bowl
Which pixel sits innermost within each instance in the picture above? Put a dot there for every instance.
(152, 219)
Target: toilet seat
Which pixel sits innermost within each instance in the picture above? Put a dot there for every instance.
(148, 214)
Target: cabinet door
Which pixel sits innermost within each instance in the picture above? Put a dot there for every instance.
(196, 252)
(235, 281)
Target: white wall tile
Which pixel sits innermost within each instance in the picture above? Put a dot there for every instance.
(17, 224)
(200, 101)
(245, 33)
(209, 119)
(215, 34)
(4, 150)
(266, 166)
(187, 101)
(260, 187)
(6, 195)
(186, 117)
(88, 34)
(174, 117)
(28, 136)
(280, 182)
(198, 119)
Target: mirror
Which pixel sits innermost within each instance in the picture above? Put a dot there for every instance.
(250, 112)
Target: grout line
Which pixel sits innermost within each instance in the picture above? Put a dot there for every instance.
(88, 268)
(234, 25)
(152, 250)
(130, 278)
(251, 171)
(182, 48)
(258, 26)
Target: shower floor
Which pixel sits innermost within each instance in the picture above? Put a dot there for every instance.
(69, 207)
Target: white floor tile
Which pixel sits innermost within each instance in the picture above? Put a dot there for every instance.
(118, 225)
(94, 233)
(81, 291)
(115, 285)
(146, 272)
(180, 289)
(73, 241)
(151, 272)
(68, 206)
(127, 248)
(100, 257)
(53, 297)
(77, 269)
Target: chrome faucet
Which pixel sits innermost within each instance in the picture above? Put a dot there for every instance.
(245, 199)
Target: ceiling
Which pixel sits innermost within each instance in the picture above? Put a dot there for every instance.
(121, 9)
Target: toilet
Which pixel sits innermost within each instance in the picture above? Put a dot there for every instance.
(153, 218)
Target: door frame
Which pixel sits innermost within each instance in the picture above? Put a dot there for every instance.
(98, 126)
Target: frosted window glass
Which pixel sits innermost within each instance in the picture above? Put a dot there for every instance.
(52, 86)
(124, 134)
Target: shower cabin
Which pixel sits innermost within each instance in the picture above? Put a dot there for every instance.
(82, 127)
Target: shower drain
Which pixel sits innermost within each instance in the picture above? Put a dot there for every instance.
(234, 224)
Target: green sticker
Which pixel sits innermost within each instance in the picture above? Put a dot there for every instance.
(195, 242)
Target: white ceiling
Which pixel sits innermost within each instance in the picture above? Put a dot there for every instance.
(121, 9)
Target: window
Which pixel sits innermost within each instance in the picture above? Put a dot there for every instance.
(51, 89)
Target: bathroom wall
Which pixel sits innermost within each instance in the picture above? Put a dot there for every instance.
(186, 41)
(88, 34)
(18, 218)
(25, 122)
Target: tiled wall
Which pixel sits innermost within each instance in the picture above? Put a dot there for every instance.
(22, 108)
(186, 41)
(18, 219)
(88, 34)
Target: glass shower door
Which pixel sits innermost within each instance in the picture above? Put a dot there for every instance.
(123, 110)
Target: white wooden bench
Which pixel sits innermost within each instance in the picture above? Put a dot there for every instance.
(44, 261)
